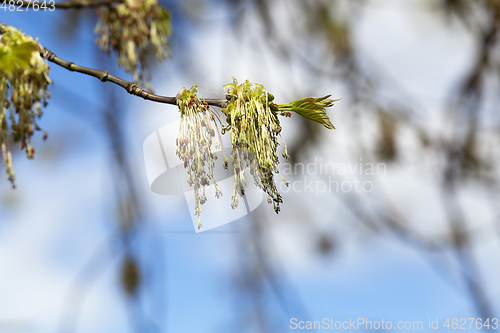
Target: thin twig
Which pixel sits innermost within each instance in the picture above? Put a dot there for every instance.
(464, 247)
(104, 76)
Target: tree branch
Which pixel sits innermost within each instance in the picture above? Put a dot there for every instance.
(104, 76)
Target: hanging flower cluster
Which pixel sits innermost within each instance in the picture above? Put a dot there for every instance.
(23, 90)
(196, 143)
(254, 138)
(252, 119)
(135, 30)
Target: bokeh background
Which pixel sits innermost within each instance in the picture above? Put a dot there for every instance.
(86, 246)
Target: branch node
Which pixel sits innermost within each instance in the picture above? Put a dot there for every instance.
(104, 77)
(134, 89)
(49, 55)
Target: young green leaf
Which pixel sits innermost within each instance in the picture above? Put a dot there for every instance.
(312, 108)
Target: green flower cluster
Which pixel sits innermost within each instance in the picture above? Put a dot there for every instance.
(134, 29)
(23, 89)
(196, 143)
(254, 138)
(252, 119)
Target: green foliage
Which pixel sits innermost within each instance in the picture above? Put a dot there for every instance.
(23, 83)
(312, 108)
(15, 52)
